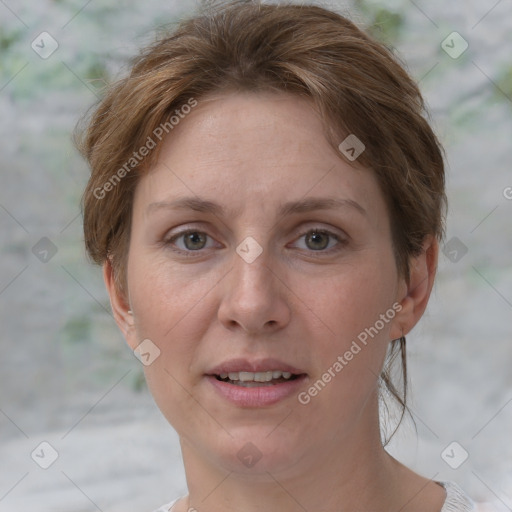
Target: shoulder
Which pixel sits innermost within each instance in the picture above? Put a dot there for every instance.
(458, 501)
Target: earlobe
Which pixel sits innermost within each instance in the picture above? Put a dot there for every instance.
(120, 308)
(414, 302)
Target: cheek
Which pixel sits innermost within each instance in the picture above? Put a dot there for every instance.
(349, 356)
(350, 301)
(169, 309)
(163, 296)
(172, 308)
(352, 316)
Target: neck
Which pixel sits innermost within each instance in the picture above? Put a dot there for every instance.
(350, 472)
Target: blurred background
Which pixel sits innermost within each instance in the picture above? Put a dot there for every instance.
(67, 377)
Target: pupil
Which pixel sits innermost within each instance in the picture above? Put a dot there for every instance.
(194, 238)
(315, 235)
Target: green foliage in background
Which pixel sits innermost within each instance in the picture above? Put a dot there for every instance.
(384, 24)
(504, 82)
(8, 38)
(77, 329)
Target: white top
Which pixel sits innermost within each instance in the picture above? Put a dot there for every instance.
(456, 501)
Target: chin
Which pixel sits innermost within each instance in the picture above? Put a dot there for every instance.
(253, 451)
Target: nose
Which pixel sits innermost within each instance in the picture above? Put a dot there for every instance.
(254, 296)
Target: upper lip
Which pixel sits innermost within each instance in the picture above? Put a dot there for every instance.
(259, 365)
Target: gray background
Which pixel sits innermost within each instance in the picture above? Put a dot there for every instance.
(66, 375)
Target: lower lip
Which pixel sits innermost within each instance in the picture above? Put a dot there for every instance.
(256, 396)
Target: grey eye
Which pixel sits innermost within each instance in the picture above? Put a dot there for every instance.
(319, 240)
(194, 240)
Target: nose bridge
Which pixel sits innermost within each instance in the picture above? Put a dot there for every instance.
(252, 278)
(252, 296)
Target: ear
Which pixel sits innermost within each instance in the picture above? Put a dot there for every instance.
(414, 296)
(120, 307)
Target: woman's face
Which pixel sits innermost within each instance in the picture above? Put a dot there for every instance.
(266, 281)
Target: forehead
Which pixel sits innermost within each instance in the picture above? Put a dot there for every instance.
(252, 150)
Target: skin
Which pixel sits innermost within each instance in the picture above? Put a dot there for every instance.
(297, 302)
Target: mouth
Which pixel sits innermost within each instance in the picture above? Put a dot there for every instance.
(257, 379)
(261, 383)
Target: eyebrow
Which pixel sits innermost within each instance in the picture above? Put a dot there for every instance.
(302, 206)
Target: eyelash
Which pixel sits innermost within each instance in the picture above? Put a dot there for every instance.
(189, 253)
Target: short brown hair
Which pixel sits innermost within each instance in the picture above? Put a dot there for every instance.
(356, 83)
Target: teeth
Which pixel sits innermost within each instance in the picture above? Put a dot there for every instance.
(256, 376)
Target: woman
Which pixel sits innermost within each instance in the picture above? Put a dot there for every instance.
(267, 201)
